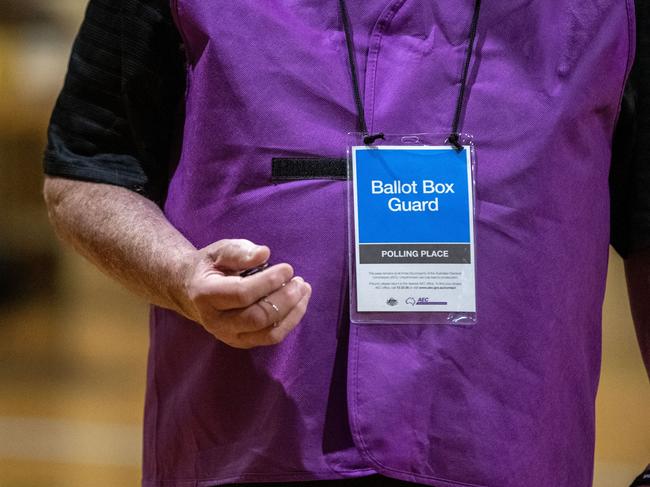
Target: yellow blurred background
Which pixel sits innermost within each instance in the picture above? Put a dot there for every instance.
(73, 344)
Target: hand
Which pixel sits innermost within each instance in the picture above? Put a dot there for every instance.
(243, 312)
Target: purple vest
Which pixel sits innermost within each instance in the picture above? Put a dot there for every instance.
(508, 402)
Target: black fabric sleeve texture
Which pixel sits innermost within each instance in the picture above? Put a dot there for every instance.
(115, 116)
(629, 180)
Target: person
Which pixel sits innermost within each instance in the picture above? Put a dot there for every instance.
(195, 141)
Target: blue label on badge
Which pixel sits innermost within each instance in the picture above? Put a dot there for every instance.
(412, 195)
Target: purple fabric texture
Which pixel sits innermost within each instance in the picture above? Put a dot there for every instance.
(505, 403)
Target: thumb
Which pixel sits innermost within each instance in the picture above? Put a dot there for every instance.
(236, 255)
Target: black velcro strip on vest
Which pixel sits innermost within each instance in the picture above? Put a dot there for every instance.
(297, 168)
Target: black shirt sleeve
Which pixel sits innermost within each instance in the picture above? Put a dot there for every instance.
(629, 180)
(115, 116)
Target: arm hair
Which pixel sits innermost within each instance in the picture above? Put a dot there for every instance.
(125, 235)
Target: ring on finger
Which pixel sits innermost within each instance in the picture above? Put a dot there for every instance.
(275, 308)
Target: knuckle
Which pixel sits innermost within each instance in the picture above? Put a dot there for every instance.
(220, 245)
(288, 274)
(292, 293)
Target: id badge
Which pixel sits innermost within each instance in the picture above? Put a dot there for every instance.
(411, 228)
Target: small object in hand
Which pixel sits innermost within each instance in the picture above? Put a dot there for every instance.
(254, 270)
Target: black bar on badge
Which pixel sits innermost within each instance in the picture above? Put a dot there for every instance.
(414, 254)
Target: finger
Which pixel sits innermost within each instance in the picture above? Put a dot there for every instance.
(234, 292)
(273, 335)
(236, 255)
(268, 310)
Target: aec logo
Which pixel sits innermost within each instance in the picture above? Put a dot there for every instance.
(424, 302)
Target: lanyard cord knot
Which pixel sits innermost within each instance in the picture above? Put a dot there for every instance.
(368, 139)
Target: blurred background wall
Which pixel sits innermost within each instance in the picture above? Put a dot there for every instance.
(73, 345)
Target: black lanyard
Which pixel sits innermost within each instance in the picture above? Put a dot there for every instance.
(454, 136)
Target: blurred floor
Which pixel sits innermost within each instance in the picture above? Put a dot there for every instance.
(75, 369)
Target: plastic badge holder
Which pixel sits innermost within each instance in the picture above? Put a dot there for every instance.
(411, 230)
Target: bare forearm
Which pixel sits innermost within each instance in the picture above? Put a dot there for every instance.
(129, 238)
(637, 270)
(125, 235)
